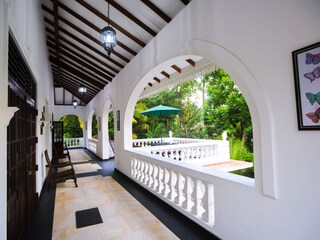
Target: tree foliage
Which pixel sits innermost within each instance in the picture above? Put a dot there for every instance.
(72, 126)
(220, 107)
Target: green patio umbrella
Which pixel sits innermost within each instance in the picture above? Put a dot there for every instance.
(161, 111)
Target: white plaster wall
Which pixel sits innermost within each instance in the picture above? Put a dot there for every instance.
(26, 24)
(253, 41)
(24, 19)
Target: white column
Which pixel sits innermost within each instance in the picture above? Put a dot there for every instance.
(4, 119)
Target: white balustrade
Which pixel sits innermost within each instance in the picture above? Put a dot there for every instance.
(92, 145)
(186, 190)
(74, 142)
(208, 152)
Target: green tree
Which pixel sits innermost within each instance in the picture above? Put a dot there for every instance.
(111, 125)
(226, 108)
(94, 127)
(72, 126)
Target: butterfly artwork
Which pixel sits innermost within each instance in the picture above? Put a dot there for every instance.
(314, 116)
(313, 75)
(313, 97)
(312, 58)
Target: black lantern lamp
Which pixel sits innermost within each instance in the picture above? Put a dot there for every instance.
(75, 103)
(82, 89)
(108, 37)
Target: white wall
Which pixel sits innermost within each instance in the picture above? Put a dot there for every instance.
(253, 41)
(24, 19)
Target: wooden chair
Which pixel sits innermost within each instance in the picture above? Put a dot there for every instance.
(60, 171)
(64, 154)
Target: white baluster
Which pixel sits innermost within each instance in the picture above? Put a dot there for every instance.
(146, 172)
(179, 186)
(187, 190)
(151, 169)
(141, 171)
(172, 185)
(138, 169)
(208, 203)
(160, 176)
(155, 177)
(196, 196)
(165, 180)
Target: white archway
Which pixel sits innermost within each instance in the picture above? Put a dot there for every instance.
(256, 99)
(106, 154)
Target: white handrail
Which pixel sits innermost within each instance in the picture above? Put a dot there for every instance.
(198, 151)
(74, 142)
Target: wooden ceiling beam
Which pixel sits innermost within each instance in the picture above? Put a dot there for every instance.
(88, 61)
(82, 63)
(87, 35)
(165, 74)
(74, 92)
(94, 27)
(85, 44)
(175, 67)
(131, 17)
(157, 10)
(76, 72)
(74, 78)
(56, 29)
(112, 23)
(84, 52)
(156, 79)
(84, 71)
(191, 62)
(75, 85)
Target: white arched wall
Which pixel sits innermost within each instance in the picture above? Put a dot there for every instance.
(105, 129)
(80, 111)
(257, 38)
(254, 95)
(88, 125)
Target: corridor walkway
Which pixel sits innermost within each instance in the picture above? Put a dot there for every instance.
(127, 210)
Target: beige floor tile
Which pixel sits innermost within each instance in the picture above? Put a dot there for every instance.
(123, 216)
(85, 233)
(113, 227)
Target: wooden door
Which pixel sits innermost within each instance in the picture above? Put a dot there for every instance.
(21, 154)
(21, 145)
(57, 137)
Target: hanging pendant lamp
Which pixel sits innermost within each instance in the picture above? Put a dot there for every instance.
(75, 103)
(82, 88)
(108, 37)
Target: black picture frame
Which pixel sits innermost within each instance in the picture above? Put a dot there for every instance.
(118, 120)
(306, 67)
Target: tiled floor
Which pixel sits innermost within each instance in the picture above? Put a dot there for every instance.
(123, 216)
(128, 211)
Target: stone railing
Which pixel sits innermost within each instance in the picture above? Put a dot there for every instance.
(199, 152)
(92, 145)
(154, 141)
(74, 142)
(188, 191)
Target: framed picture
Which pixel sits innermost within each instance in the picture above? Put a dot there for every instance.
(306, 66)
(118, 120)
